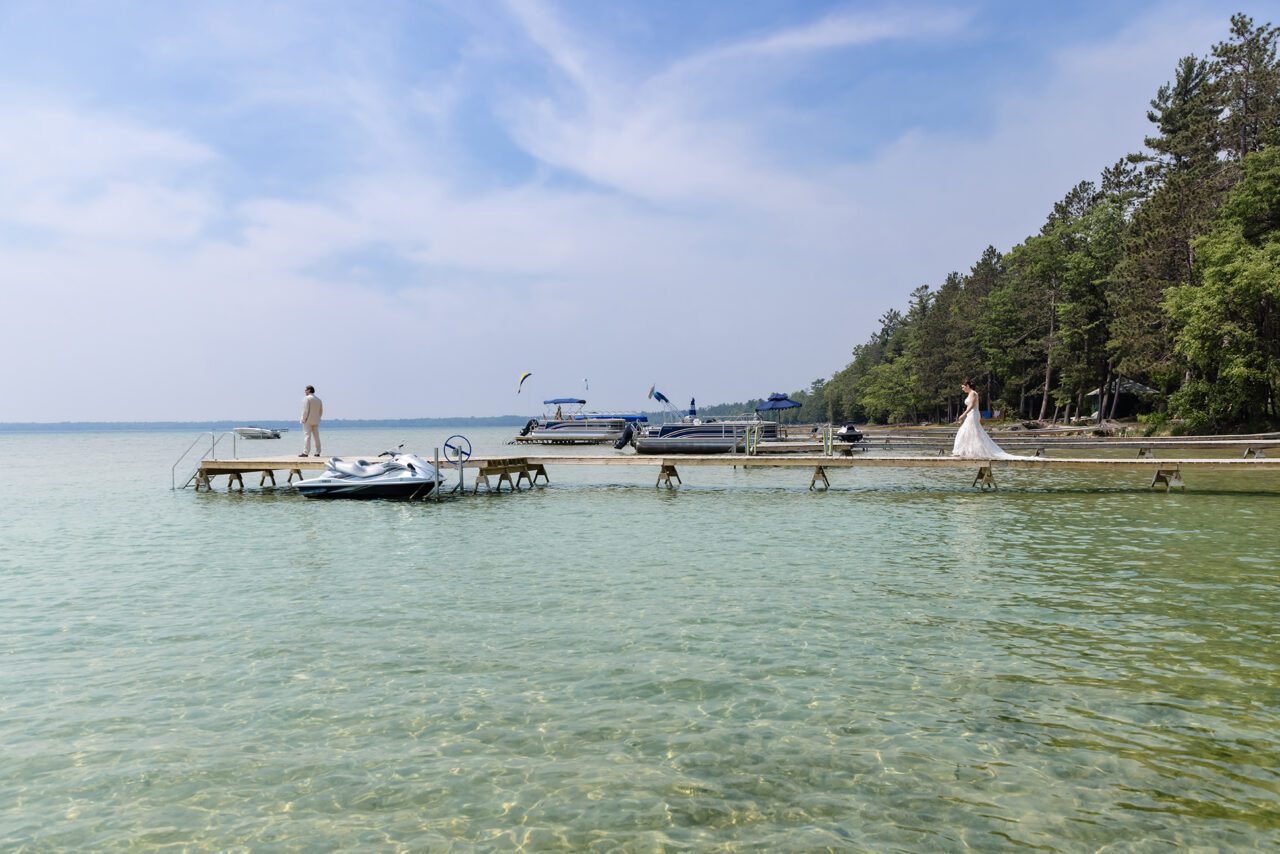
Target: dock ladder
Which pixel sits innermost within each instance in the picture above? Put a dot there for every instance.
(209, 453)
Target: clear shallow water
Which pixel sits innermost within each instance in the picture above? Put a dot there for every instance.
(902, 663)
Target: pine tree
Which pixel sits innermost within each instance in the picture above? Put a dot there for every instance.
(1247, 84)
(1184, 179)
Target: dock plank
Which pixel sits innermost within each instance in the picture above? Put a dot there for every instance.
(904, 461)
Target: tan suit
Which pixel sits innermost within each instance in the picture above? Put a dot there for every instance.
(312, 409)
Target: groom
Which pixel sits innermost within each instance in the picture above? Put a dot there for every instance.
(312, 409)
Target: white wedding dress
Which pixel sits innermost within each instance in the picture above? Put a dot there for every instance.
(972, 442)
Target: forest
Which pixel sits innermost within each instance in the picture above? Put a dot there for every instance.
(1161, 274)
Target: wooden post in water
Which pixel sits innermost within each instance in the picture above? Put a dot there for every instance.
(985, 478)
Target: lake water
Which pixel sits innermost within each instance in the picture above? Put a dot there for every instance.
(902, 663)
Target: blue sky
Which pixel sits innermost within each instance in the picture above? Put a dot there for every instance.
(204, 207)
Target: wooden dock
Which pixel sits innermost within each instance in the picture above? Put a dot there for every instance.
(517, 469)
(1041, 446)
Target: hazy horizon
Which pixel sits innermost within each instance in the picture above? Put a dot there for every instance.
(228, 423)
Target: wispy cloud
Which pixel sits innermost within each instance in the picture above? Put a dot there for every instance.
(654, 138)
(841, 29)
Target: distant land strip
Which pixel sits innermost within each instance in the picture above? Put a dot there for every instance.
(329, 424)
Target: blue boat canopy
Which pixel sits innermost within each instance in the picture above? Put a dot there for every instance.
(559, 400)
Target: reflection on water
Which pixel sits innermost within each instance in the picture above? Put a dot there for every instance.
(1072, 662)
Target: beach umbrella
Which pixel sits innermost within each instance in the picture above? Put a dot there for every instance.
(777, 403)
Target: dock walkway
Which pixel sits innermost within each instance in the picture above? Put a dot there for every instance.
(1042, 444)
(1166, 472)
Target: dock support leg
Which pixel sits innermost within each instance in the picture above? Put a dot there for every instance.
(819, 474)
(267, 475)
(522, 476)
(1171, 478)
(202, 479)
(482, 478)
(234, 478)
(1041, 452)
(985, 478)
(539, 471)
(294, 473)
(1146, 452)
(1255, 453)
(665, 475)
(506, 476)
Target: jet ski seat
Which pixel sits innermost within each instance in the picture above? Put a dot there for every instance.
(357, 468)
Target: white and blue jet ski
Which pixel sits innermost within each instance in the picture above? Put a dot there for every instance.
(393, 475)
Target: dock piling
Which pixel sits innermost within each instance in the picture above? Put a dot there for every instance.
(985, 478)
(819, 474)
(1171, 478)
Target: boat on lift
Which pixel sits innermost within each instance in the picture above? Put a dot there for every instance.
(690, 434)
(704, 436)
(570, 424)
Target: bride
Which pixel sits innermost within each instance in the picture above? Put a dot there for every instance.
(972, 442)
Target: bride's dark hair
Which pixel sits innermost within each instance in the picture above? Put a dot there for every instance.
(970, 384)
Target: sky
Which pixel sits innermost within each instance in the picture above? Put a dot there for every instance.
(206, 206)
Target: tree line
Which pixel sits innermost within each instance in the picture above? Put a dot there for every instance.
(1165, 270)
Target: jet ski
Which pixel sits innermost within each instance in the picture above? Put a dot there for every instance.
(848, 433)
(404, 476)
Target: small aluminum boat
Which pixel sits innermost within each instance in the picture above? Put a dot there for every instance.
(256, 432)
